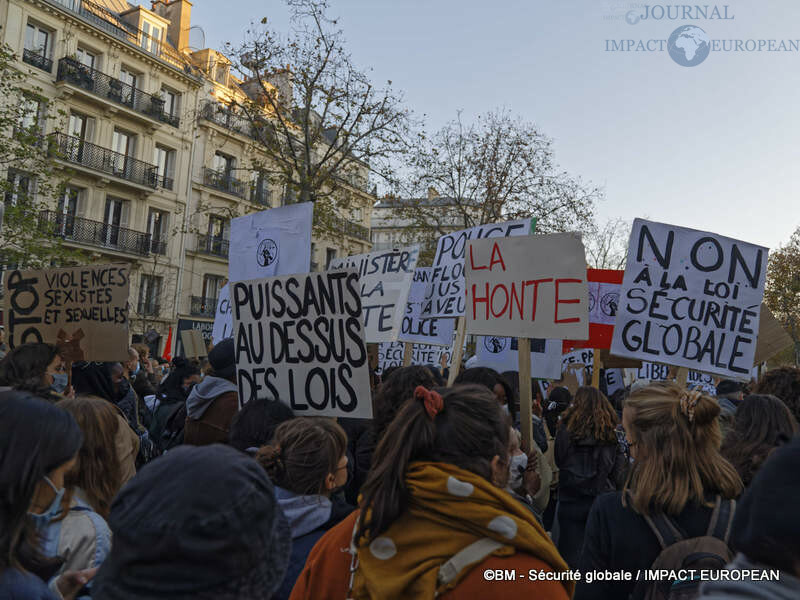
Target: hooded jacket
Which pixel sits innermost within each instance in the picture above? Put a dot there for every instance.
(210, 409)
(786, 587)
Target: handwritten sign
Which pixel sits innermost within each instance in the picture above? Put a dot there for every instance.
(390, 354)
(385, 282)
(300, 339)
(446, 295)
(84, 310)
(204, 327)
(223, 316)
(691, 299)
(501, 354)
(419, 329)
(603, 286)
(532, 286)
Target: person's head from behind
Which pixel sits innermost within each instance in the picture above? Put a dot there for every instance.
(183, 374)
(307, 456)
(784, 383)
(97, 471)
(492, 380)
(469, 430)
(761, 424)
(590, 416)
(255, 424)
(33, 367)
(675, 440)
(133, 364)
(222, 360)
(395, 390)
(766, 527)
(558, 399)
(213, 530)
(728, 388)
(38, 446)
(143, 351)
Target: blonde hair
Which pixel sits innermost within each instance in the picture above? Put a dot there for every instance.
(677, 438)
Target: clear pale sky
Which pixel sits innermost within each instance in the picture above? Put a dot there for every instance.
(712, 147)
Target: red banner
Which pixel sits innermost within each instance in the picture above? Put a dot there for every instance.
(604, 286)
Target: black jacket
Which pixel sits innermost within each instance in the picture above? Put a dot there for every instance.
(587, 468)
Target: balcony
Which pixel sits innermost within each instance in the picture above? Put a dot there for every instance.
(79, 152)
(260, 195)
(346, 227)
(226, 118)
(203, 307)
(104, 86)
(212, 245)
(158, 246)
(37, 59)
(223, 181)
(95, 233)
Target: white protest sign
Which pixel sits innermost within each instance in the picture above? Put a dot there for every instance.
(300, 339)
(532, 286)
(424, 330)
(385, 279)
(264, 244)
(390, 354)
(691, 299)
(500, 354)
(446, 295)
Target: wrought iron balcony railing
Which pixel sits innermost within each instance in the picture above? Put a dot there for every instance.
(225, 117)
(260, 195)
(77, 151)
(215, 246)
(346, 227)
(104, 86)
(37, 59)
(202, 307)
(95, 233)
(223, 181)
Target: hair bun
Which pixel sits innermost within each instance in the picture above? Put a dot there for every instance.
(270, 457)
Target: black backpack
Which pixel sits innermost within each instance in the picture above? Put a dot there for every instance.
(709, 552)
(172, 435)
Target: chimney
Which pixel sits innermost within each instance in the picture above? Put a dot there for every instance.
(432, 193)
(178, 13)
(283, 81)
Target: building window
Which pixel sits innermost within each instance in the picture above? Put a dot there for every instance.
(18, 188)
(112, 220)
(127, 92)
(330, 254)
(123, 144)
(164, 159)
(170, 99)
(357, 215)
(87, 58)
(212, 284)
(151, 37)
(67, 211)
(221, 73)
(30, 117)
(39, 40)
(157, 224)
(150, 295)
(222, 163)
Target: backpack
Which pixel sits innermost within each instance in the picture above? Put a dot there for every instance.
(172, 435)
(709, 552)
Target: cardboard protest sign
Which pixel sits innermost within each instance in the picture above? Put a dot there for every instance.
(691, 299)
(192, 343)
(531, 286)
(651, 371)
(300, 339)
(265, 244)
(603, 286)
(390, 354)
(385, 279)
(446, 295)
(424, 330)
(83, 310)
(500, 354)
(772, 338)
(205, 329)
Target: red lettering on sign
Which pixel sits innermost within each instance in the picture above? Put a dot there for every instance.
(472, 262)
(476, 299)
(496, 251)
(568, 301)
(499, 286)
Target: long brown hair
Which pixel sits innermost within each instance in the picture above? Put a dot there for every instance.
(97, 472)
(677, 438)
(591, 416)
(302, 453)
(468, 433)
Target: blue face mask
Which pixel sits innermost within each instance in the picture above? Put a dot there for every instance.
(60, 382)
(41, 521)
(137, 369)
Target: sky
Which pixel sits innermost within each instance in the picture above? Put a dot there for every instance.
(712, 146)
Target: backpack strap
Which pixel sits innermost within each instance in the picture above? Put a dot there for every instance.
(721, 519)
(472, 554)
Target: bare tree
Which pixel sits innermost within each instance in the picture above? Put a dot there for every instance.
(499, 168)
(782, 291)
(607, 244)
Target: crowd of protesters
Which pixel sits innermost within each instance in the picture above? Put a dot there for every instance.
(146, 480)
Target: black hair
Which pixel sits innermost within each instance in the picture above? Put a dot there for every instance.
(395, 390)
(182, 368)
(24, 367)
(35, 438)
(489, 378)
(255, 424)
(558, 399)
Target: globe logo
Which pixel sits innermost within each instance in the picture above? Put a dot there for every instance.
(688, 45)
(267, 252)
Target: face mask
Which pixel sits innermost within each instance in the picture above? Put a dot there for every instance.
(41, 521)
(60, 382)
(516, 469)
(505, 409)
(137, 369)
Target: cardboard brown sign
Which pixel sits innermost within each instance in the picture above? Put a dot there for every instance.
(772, 338)
(193, 343)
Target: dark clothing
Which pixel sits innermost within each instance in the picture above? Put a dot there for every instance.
(142, 384)
(170, 401)
(619, 539)
(20, 585)
(214, 426)
(361, 450)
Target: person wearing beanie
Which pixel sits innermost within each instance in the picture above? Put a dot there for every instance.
(213, 531)
(765, 533)
(214, 401)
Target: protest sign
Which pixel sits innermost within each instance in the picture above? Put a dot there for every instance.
(385, 279)
(531, 286)
(390, 354)
(205, 329)
(603, 287)
(691, 299)
(83, 310)
(446, 295)
(223, 319)
(300, 339)
(192, 343)
(772, 338)
(501, 354)
(419, 329)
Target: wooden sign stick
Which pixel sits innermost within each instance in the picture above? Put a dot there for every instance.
(596, 366)
(525, 393)
(457, 351)
(408, 353)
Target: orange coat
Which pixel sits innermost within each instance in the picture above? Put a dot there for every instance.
(326, 575)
